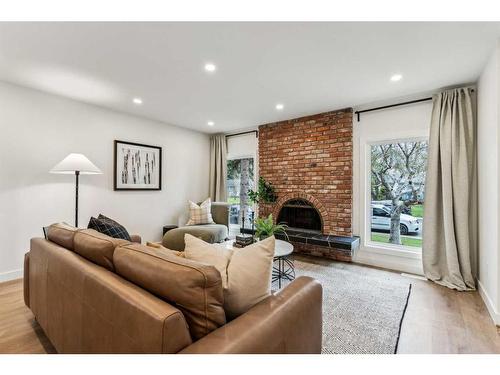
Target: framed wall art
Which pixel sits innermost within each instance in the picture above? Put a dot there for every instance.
(137, 166)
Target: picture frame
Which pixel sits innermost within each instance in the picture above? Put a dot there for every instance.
(136, 166)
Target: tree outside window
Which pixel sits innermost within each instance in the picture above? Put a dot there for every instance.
(397, 192)
(240, 179)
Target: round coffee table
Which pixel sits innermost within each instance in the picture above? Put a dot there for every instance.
(285, 268)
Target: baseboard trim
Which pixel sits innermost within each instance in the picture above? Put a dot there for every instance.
(495, 315)
(388, 261)
(11, 275)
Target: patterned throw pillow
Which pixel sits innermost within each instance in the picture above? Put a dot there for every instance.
(201, 214)
(109, 227)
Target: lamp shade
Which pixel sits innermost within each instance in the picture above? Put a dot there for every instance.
(76, 163)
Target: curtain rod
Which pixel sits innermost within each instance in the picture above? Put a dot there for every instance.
(394, 105)
(390, 106)
(243, 133)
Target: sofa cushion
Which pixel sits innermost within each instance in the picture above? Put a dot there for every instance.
(203, 252)
(195, 288)
(62, 234)
(249, 277)
(211, 233)
(248, 271)
(96, 247)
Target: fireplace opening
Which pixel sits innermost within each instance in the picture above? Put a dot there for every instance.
(300, 214)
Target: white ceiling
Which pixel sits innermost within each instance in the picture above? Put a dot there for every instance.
(309, 67)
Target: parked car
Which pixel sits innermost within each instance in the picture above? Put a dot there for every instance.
(381, 220)
(388, 205)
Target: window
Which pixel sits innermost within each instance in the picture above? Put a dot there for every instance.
(397, 190)
(240, 179)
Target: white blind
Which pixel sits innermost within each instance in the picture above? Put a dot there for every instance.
(242, 146)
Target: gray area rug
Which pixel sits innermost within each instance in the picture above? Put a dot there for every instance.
(362, 307)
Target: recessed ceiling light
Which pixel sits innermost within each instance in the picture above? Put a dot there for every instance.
(396, 77)
(210, 123)
(209, 67)
(280, 106)
(137, 101)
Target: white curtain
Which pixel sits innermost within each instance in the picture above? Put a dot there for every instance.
(218, 168)
(449, 248)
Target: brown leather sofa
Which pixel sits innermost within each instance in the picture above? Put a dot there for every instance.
(94, 294)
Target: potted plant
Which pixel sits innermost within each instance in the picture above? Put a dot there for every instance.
(265, 227)
(265, 192)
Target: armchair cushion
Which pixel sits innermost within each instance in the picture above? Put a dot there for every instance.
(211, 233)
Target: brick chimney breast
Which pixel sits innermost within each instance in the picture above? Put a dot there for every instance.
(311, 158)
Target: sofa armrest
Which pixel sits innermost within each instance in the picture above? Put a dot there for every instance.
(135, 238)
(289, 321)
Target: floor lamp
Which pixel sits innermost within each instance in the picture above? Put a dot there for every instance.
(76, 164)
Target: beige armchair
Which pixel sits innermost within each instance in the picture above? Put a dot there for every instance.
(211, 233)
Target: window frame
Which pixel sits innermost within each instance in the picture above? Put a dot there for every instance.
(374, 246)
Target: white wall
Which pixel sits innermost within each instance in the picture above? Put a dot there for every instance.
(488, 184)
(396, 123)
(37, 130)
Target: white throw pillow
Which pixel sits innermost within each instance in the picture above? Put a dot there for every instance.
(249, 277)
(248, 270)
(200, 214)
(203, 252)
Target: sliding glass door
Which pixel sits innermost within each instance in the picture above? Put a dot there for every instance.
(240, 179)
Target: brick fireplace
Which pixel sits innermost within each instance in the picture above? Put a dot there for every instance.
(309, 162)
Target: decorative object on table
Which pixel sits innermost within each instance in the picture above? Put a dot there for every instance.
(76, 164)
(136, 166)
(265, 227)
(109, 227)
(265, 193)
(248, 272)
(200, 213)
(166, 228)
(285, 269)
(243, 239)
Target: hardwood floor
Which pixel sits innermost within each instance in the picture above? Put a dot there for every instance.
(19, 332)
(437, 320)
(440, 320)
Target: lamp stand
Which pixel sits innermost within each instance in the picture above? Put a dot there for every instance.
(77, 174)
